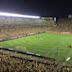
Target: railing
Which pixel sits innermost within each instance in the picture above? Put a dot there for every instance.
(27, 53)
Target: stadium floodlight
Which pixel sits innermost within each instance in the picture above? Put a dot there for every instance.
(18, 15)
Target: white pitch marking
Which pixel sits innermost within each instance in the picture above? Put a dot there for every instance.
(68, 58)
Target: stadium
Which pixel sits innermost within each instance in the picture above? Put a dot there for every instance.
(35, 44)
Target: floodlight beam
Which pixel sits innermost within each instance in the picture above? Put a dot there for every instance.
(18, 15)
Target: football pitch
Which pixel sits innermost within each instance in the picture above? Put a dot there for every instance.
(54, 46)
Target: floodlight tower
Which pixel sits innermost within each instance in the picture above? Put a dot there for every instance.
(70, 16)
(55, 19)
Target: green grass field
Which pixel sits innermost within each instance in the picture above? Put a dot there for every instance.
(49, 45)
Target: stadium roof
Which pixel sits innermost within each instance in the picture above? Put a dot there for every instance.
(18, 15)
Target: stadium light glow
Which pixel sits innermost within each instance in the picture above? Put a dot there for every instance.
(18, 15)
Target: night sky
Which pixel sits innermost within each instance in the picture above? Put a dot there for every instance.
(58, 8)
